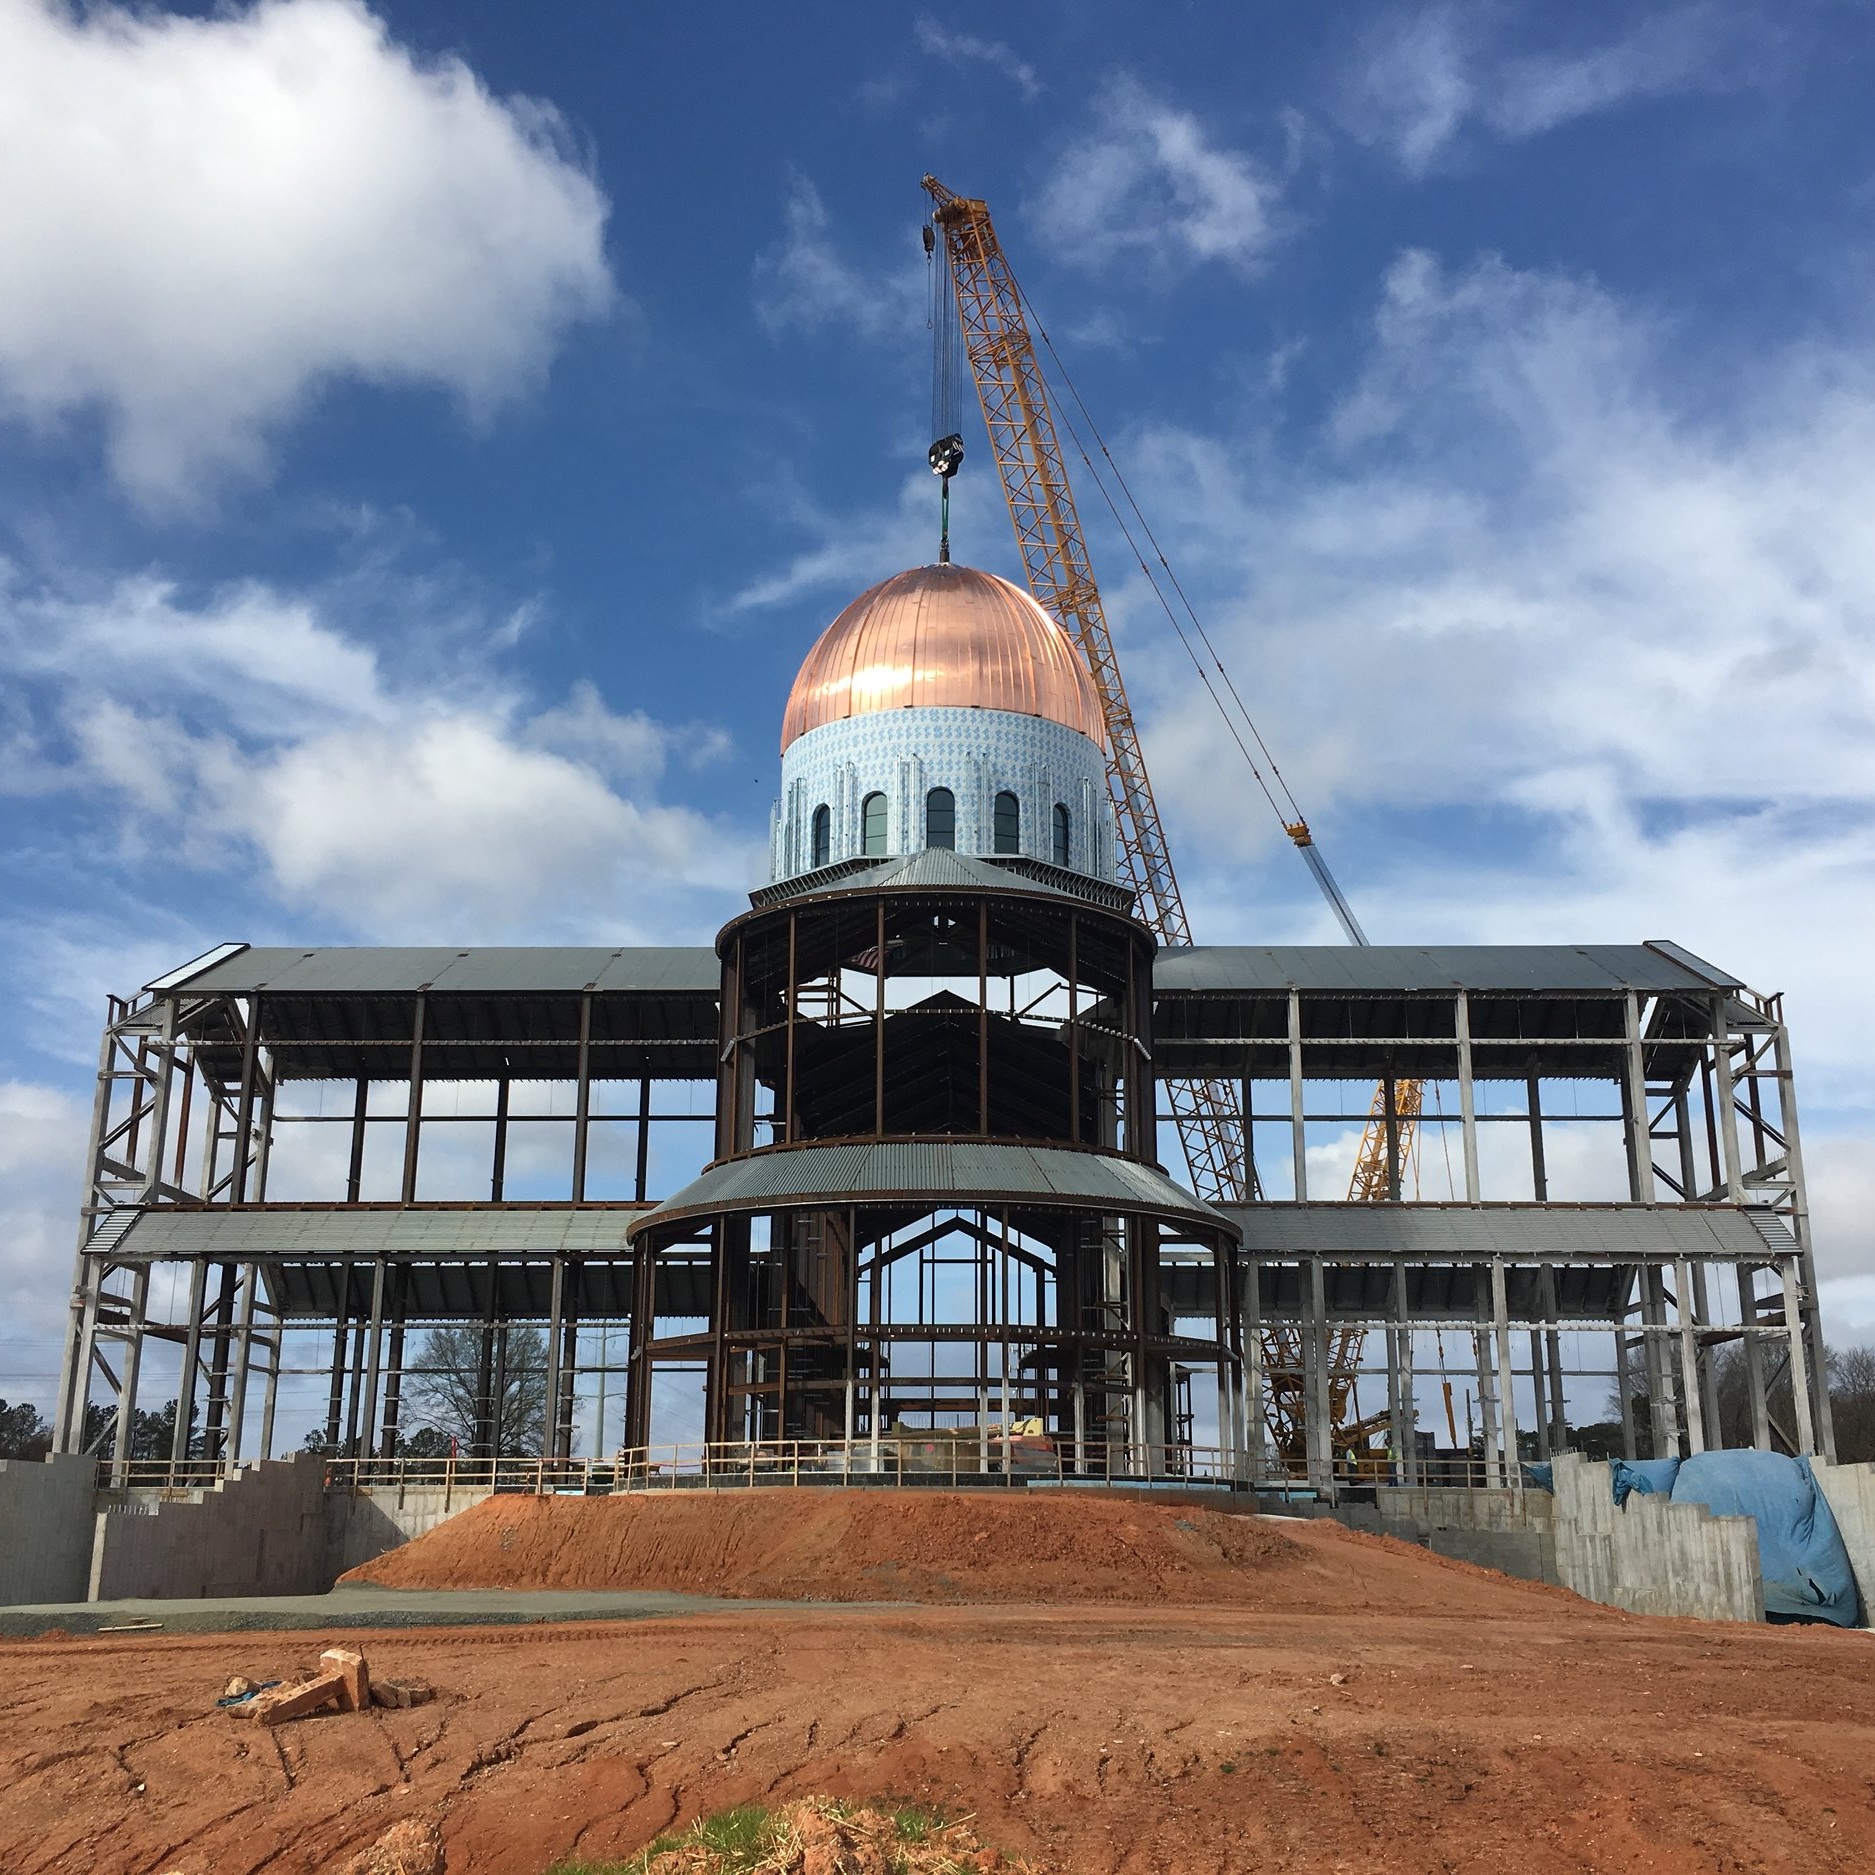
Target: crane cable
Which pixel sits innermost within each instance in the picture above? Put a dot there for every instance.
(944, 319)
(1294, 818)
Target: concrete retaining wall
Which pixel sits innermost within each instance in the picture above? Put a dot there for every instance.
(1850, 1490)
(361, 1525)
(45, 1528)
(1510, 1531)
(1653, 1556)
(274, 1530)
(262, 1533)
(1453, 1507)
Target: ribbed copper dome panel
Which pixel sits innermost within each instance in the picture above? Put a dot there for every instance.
(937, 637)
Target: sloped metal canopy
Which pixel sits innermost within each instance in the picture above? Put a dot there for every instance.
(941, 869)
(935, 1172)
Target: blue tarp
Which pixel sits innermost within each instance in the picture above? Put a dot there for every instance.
(1800, 1550)
(1650, 1477)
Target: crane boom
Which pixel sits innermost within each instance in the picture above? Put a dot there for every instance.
(1020, 420)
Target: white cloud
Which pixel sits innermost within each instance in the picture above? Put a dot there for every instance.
(253, 649)
(965, 49)
(1421, 77)
(1153, 184)
(435, 824)
(805, 279)
(42, 1138)
(206, 219)
(249, 735)
(1531, 565)
(1414, 87)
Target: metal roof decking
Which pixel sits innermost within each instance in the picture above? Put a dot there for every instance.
(1236, 969)
(1219, 969)
(487, 970)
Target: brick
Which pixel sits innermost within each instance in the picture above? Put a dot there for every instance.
(352, 1671)
(280, 1703)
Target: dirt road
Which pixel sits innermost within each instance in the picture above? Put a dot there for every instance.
(1529, 1733)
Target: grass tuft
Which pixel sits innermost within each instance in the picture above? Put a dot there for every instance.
(751, 1840)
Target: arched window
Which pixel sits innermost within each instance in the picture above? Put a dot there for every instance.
(940, 819)
(872, 826)
(1064, 836)
(1008, 824)
(823, 835)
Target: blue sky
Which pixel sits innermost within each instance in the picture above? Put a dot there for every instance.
(430, 438)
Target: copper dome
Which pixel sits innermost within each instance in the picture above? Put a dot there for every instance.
(943, 636)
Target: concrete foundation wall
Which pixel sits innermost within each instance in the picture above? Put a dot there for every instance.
(262, 1533)
(1456, 1508)
(1850, 1491)
(1652, 1556)
(274, 1530)
(45, 1528)
(364, 1524)
(1510, 1531)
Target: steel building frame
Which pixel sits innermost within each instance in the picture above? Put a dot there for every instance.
(192, 1244)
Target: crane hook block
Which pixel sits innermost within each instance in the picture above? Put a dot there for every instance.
(930, 239)
(946, 456)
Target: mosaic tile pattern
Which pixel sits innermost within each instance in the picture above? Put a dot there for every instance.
(903, 754)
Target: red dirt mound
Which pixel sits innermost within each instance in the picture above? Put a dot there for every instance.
(929, 1546)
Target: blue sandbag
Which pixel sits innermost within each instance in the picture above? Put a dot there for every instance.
(1800, 1551)
(1647, 1477)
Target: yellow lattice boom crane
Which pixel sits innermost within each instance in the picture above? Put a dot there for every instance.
(1022, 434)
(1023, 438)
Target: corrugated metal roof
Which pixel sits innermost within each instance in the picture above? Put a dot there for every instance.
(486, 970)
(1225, 969)
(362, 1231)
(945, 1171)
(1429, 1232)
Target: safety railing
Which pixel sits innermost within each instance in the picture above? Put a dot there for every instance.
(974, 1457)
(977, 1458)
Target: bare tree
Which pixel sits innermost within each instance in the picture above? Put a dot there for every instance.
(1852, 1403)
(444, 1378)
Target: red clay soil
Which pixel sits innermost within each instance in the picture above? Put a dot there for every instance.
(1536, 1735)
(930, 1546)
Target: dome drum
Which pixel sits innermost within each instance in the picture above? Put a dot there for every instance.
(979, 781)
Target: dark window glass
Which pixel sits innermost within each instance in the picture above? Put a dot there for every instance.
(940, 819)
(872, 820)
(1064, 835)
(823, 836)
(1008, 824)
